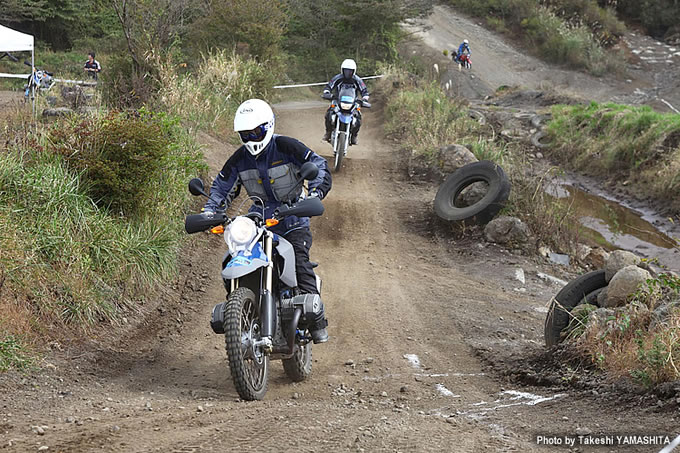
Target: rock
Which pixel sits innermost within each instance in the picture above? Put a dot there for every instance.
(57, 111)
(350, 362)
(544, 251)
(43, 448)
(506, 230)
(539, 155)
(597, 257)
(452, 157)
(383, 394)
(296, 396)
(582, 251)
(617, 260)
(473, 193)
(199, 409)
(404, 389)
(663, 311)
(369, 360)
(559, 258)
(39, 430)
(624, 284)
(70, 419)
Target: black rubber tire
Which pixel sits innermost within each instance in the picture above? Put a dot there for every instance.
(537, 120)
(299, 367)
(238, 301)
(536, 140)
(566, 299)
(341, 152)
(485, 209)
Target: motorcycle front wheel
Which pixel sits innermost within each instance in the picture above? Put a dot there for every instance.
(340, 150)
(249, 364)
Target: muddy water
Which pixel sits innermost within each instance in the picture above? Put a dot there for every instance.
(611, 225)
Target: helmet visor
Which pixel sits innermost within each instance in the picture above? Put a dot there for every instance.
(254, 135)
(347, 73)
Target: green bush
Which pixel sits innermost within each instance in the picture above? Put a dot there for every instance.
(119, 157)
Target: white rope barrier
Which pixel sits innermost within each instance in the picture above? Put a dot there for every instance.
(77, 82)
(14, 76)
(321, 83)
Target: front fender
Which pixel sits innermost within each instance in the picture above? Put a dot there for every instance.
(244, 264)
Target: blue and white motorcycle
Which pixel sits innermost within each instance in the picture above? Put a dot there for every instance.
(346, 112)
(264, 316)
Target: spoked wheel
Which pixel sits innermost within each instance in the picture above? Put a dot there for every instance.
(340, 150)
(248, 363)
(299, 367)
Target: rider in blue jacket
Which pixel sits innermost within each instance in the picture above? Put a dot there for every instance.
(465, 46)
(267, 165)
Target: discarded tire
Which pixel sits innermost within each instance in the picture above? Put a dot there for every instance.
(447, 203)
(536, 140)
(536, 120)
(583, 288)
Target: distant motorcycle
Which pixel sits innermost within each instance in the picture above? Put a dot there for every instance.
(464, 61)
(346, 107)
(40, 80)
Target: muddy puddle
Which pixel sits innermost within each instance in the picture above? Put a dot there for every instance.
(608, 223)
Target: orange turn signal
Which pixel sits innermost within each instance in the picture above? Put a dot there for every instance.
(272, 222)
(219, 229)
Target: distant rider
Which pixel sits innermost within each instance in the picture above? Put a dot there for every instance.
(464, 47)
(348, 75)
(266, 166)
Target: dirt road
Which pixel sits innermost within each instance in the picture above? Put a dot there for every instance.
(653, 72)
(410, 314)
(421, 327)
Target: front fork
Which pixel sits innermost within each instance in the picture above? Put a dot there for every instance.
(267, 303)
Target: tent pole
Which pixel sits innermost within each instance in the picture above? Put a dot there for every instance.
(32, 81)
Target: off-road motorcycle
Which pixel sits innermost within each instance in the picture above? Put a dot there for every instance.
(346, 111)
(39, 80)
(264, 317)
(464, 61)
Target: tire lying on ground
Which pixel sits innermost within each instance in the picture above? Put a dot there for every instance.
(536, 139)
(445, 202)
(582, 289)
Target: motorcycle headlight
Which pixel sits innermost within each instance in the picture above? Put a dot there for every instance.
(346, 105)
(240, 232)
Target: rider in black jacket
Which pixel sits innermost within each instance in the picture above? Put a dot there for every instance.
(266, 165)
(348, 75)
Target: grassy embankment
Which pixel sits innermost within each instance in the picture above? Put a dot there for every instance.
(91, 207)
(619, 143)
(640, 340)
(424, 118)
(577, 33)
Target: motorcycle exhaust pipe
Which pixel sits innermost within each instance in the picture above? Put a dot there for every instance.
(293, 329)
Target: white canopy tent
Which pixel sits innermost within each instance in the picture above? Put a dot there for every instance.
(15, 41)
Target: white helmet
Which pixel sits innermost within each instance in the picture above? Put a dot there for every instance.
(350, 66)
(465, 41)
(254, 122)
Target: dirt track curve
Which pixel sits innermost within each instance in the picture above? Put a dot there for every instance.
(411, 312)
